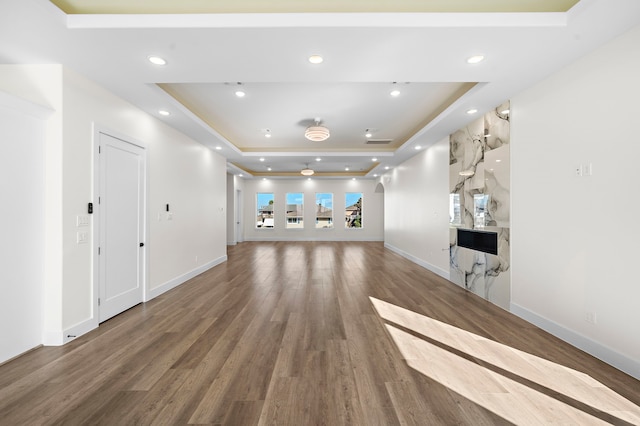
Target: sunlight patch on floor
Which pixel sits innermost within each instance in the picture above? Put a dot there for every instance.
(510, 399)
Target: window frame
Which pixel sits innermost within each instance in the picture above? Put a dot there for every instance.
(347, 205)
(317, 210)
(300, 217)
(259, 211)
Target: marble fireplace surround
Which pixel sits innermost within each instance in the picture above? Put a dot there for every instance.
(481, 152)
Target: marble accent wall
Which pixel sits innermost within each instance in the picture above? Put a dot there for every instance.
(480, 187)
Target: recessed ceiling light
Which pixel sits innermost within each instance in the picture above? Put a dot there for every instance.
(240, 93)
(353, 178)
(346, 169)
(156, 60)
(318, 159)
(472, 111)
(261, 158)
(367, 134)
(240, 175)
(375, 175)
(475, 59)
(395, 93)
(267, 135)
(386, 167)
(417, 147)
(316, 59)
(269, 168)
(218, 148)
(374, 159)
(163, 112)
(498, 161)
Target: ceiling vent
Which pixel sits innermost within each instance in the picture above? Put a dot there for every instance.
(378, 141)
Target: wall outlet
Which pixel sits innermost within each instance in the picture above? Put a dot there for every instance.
(82, 238)
(82, 220)
(578, 170)
(590, 317)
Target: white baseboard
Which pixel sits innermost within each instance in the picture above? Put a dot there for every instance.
(598, 350)
(319, 238)
(426, 265)
(163, 288)
(59, 338)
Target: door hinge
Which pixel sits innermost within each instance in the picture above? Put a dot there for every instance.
(99, 149)
(98, 251)
(98, 200)
(98, 301)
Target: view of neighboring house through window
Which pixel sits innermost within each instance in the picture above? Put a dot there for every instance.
(265, 210)
(324, 210)
(353, 210)
(295, 210)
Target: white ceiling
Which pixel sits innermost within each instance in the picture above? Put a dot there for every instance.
(208, 54)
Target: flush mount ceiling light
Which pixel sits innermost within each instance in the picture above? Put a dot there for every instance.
(317, 133)
(316, 59)
(239, 91)
(394, 91)
(307, 171)
(475, 59)
(156, 60)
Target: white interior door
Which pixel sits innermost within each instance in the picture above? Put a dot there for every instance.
(121, 252)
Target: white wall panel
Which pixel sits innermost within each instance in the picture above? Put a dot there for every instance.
(417, 208)
(575, 238)
(22, 183)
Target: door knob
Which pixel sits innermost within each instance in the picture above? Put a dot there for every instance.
(141, 244)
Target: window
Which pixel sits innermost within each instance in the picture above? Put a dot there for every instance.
(455, 216)
(353, 210)
(265, 210)
(324, 210)
(295, 210)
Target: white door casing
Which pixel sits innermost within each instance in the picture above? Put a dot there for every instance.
(239, 236)
(121, 233)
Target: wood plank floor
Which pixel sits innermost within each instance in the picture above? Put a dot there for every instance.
(315, 333)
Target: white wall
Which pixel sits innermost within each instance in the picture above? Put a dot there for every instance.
(42, 85)
(372, 210)
(417, 208)
(22, 181)
(575, 239)
(181, 172)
